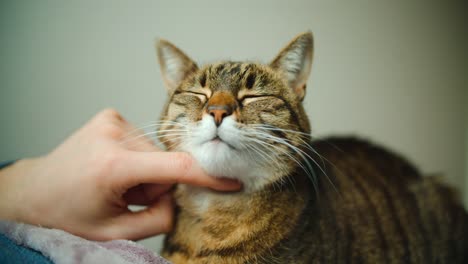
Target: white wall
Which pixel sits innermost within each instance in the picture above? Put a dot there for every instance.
(392, 72)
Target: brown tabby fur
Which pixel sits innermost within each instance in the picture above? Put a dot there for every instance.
(364, 204)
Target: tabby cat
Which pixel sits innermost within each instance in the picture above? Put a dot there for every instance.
(339, 200)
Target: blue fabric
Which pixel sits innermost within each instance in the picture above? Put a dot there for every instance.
(11, 253)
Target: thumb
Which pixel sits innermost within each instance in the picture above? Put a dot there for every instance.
(154, 220)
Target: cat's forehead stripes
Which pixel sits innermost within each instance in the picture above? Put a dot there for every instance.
(234, 76)
(228, 69)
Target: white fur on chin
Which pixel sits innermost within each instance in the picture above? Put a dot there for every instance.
(226, 156)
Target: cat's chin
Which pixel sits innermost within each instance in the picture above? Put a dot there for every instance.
(220, 159)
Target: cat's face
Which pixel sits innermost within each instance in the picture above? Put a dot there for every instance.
(238, 119)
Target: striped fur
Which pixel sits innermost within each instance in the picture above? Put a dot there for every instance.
(338, 200)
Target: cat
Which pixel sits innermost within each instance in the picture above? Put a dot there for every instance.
(338, 200)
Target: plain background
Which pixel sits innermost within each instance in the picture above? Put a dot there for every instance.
(393, 72)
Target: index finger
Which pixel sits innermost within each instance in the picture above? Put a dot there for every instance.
(169, 168)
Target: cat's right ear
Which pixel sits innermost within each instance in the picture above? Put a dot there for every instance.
(175, 65)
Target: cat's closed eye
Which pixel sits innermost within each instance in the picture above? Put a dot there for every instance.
(247, 99)
(203, 97)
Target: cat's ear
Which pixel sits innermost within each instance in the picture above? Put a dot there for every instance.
(175, 65)
(295, 62)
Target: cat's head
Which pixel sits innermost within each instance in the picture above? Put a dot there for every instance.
(240, 120)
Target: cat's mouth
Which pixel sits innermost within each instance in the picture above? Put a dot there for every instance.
(218, 140)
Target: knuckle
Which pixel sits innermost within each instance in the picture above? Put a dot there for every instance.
(110, 112)
(108, 115)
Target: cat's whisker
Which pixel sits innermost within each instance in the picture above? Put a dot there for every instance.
(172, 138)
(168, 137)
(139, 128)
(269, 127)
(124, 141)
(268, 158)
(265, 158)
(298, 150)
(305, 156)
(155, 140)
(152, 125)
(262, 154)
(306, 170)
(323, 162)
(323, 159)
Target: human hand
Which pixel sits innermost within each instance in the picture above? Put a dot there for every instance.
(85, 185)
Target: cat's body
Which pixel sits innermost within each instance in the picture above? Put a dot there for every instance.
(338, 200)
(378, 210)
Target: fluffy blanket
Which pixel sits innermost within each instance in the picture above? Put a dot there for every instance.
(62, 247)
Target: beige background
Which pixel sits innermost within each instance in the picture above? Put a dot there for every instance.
(394, 72)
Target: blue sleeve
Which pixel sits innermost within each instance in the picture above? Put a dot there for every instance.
(11, 253)
(6, 163)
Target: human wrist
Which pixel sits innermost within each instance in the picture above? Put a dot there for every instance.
(13, 201)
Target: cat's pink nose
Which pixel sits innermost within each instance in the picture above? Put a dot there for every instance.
(218, 112)
(221, 105)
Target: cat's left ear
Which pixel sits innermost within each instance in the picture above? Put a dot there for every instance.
(175, 65)
(295, 62)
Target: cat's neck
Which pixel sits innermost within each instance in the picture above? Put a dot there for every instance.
(214, 224)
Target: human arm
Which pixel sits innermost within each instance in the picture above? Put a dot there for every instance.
(85, 185)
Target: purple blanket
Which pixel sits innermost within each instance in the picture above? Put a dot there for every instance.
(62, 247)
